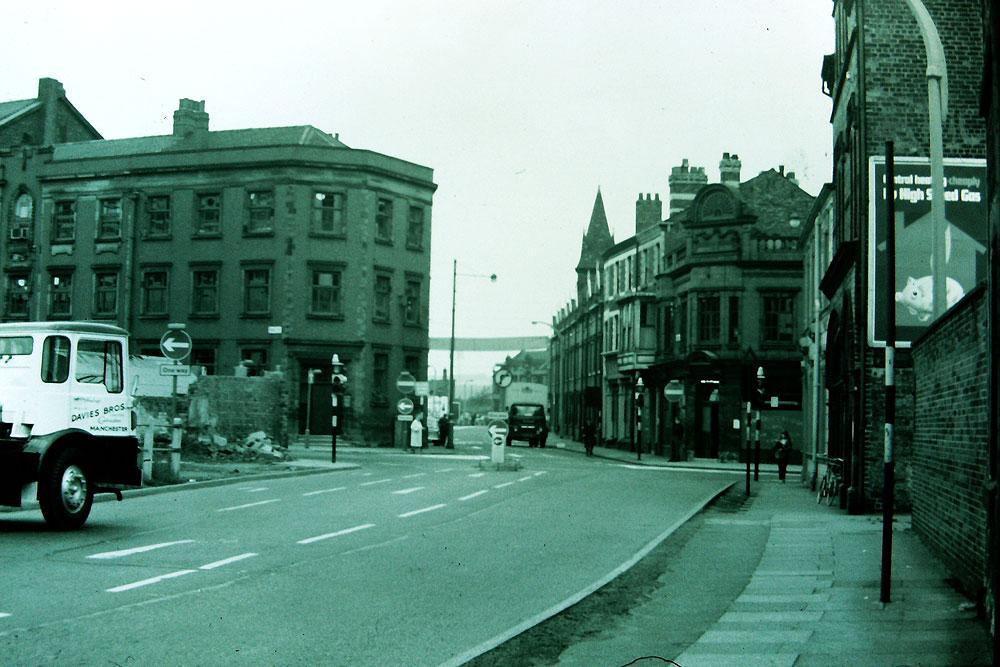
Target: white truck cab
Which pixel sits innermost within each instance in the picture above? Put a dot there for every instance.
(67, 425)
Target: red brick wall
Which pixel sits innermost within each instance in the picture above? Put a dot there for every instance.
(950, 442)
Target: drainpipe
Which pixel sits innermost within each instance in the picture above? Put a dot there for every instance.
(817, 348)
(937, 110)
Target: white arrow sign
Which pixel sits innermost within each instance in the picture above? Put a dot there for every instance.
(171, 344)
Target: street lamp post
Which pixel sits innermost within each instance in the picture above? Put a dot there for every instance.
(451, 347)
(639, 399)
(338, 380)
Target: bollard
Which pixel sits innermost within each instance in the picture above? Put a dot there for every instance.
(175, 449)
(147, 455)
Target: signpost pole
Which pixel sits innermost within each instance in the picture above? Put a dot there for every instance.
(889, 471)
(748, 446)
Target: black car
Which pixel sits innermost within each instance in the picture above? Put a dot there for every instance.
(526, 422)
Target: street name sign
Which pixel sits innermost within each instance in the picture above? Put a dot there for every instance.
(176, 344)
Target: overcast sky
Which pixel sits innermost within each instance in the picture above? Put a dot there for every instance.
(522, 109)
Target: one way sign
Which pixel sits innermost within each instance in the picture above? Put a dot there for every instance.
(176, 344)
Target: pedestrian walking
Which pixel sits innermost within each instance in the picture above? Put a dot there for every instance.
(589, 436)
(444, 431)
(781, 447)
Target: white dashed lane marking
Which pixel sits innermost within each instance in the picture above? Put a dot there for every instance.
(444, 470)
(525, 479)
(422, 510)
(151, 580)
(4, 614)
(240, 507)
(416, 474)
(500, 486)
(136, 550)
(226, 561)
(474, 495)
(254, 489)
(477, 474)
(403, 492)
(377, 481)
(316, 493)
(346, 531)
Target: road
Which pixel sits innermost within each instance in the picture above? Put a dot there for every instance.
(409, 559)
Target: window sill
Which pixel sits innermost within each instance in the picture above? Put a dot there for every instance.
(382, 322)
(383, 241)
(414, 248)
(154, 316)
(249, 234)
(158, 237)
(255, 316)
(206, 235)
(203, 316)
(413, 325)
(327, 235)
(330, 317)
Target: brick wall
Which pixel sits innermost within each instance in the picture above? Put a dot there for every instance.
(896, 73)
(950, 448)
(241, 405)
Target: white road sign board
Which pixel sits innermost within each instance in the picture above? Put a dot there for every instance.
(176, 344)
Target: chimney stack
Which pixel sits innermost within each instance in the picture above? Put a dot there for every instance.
(648, 212)
(50, 92)
(190, 118)
(684, 183)
(729, 170)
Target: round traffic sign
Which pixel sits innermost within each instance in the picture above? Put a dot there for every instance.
(405, 383)
(674, 391)
(176, 344)
(503, 378)
(497, 428)
(404, 406)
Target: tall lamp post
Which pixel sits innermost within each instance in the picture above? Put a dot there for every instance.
(451, 347)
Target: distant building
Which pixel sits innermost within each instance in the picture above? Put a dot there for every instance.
(278, 247)
(577, 367)
(699, 300)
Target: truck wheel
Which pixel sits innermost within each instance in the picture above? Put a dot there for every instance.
(65, 493)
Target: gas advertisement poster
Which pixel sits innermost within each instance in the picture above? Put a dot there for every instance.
(964, 243)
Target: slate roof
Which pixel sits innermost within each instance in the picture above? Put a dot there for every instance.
(9, 110)
(773, 200)
(296, 135)
(598, 237)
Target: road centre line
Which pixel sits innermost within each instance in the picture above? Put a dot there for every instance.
(136, 550)
(254, 490)
(541, 472)
(227, 561)
(477, 474)
(4, 614)
(500, 486)
(416, 474)
(473, 495)
(525, 479)
(346, 531)
(405, 515)
(316, 493)
(240, 507)
(147, 582)
(377, 481)
(403, 492)
(444, 470)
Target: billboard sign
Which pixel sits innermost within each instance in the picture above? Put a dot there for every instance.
(965, 241)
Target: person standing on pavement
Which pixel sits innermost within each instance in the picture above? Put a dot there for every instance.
(589, 435)
(781, 447)
(444, 431)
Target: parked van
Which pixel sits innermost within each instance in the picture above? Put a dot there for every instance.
(67, 425)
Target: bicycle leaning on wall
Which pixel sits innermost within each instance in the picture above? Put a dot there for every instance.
(833, 480)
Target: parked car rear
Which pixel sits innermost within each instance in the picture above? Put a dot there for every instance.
(526, 422)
